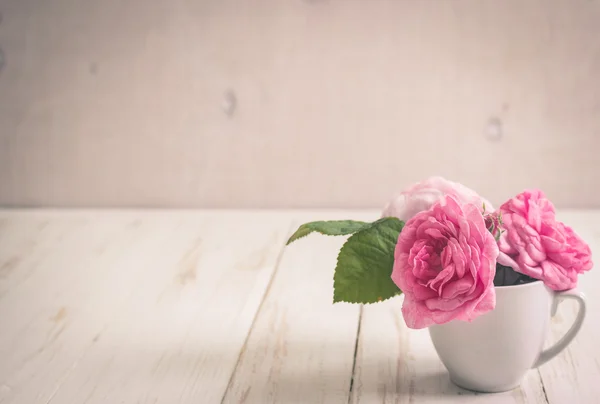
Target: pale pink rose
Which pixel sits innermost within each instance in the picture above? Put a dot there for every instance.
(423, 195)
(536, 244)
(445, 262)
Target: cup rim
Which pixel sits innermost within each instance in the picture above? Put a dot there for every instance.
(523, 285)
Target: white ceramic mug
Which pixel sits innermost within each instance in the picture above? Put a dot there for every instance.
(494, 352)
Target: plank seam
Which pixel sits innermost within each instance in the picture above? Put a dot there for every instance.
(259, 308)
(543, 386)
(360, 313)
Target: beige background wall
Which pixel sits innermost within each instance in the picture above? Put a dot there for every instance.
(337, 103)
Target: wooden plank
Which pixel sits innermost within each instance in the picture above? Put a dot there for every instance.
(114, 102)
(395, 364)
(178, 336)
(301, 347)
(572, 376)
(156, 307)
(48, 320)
(27, 241)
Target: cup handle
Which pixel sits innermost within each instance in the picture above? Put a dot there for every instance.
(555, 349)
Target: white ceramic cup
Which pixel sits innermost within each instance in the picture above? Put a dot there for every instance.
(494, 352)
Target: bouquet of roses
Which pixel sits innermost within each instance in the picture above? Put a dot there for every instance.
(445, 248)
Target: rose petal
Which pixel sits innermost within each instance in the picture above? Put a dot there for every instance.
(543, 247)
(458, 287)
(445, 264)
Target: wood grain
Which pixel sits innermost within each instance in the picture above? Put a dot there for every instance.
(395, 364)
(52, 318)
(301, 347)
(113, 103)
(206, 306)
(111, 312)
(572, 376)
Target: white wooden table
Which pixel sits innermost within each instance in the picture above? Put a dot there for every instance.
(208, 307)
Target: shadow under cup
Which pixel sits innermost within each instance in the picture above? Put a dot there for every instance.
(494, 352)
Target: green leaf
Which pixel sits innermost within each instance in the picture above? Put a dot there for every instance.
(329, 228)
(365, 263)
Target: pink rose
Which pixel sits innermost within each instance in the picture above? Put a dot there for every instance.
(445, 262)
(536, 244)
(423, 195)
